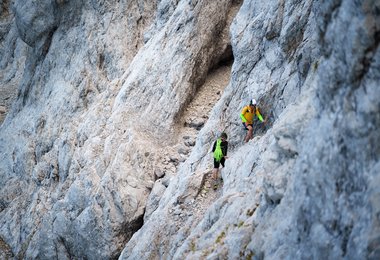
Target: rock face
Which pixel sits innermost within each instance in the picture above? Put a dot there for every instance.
(105, 152)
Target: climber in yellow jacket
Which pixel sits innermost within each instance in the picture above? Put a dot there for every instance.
(247, 116)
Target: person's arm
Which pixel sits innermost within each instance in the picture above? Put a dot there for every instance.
(225, 148)
(259, 116)
(242, 115)
(213, 147)
(243, 118)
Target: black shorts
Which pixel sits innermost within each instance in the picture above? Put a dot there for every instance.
(217, 164)
(245, 128)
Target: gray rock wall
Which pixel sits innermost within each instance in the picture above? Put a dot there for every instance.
(102, 87)
(301, 190)
(57, 187)
(13, 53)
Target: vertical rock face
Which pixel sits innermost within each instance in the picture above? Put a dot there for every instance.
(102, 91)
(12, 52)
(61, 174)
(36, 21)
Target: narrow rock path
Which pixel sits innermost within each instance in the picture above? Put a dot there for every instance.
(194, 118)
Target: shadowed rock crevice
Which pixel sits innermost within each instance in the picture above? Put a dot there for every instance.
(226, 59)
(127, 232)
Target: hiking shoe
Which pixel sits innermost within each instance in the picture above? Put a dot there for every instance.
(215, 184)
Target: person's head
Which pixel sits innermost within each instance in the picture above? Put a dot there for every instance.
(223, 136)
(253, 103)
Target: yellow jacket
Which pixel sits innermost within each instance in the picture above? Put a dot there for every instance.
(247, 115)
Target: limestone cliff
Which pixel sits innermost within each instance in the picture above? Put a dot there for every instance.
(105, 150)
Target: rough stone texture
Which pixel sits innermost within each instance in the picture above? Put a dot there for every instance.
(301, 190)
(13, 53)
(60, 174)
(36, 21)
(100, 141)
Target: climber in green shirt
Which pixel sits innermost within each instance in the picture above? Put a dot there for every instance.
(219, 150)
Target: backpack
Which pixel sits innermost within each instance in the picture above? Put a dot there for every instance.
(218, 154)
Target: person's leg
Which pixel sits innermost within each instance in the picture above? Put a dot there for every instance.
(249, 133)
(215, 170)
(222, 161)
(215, 178)
(215, 173)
